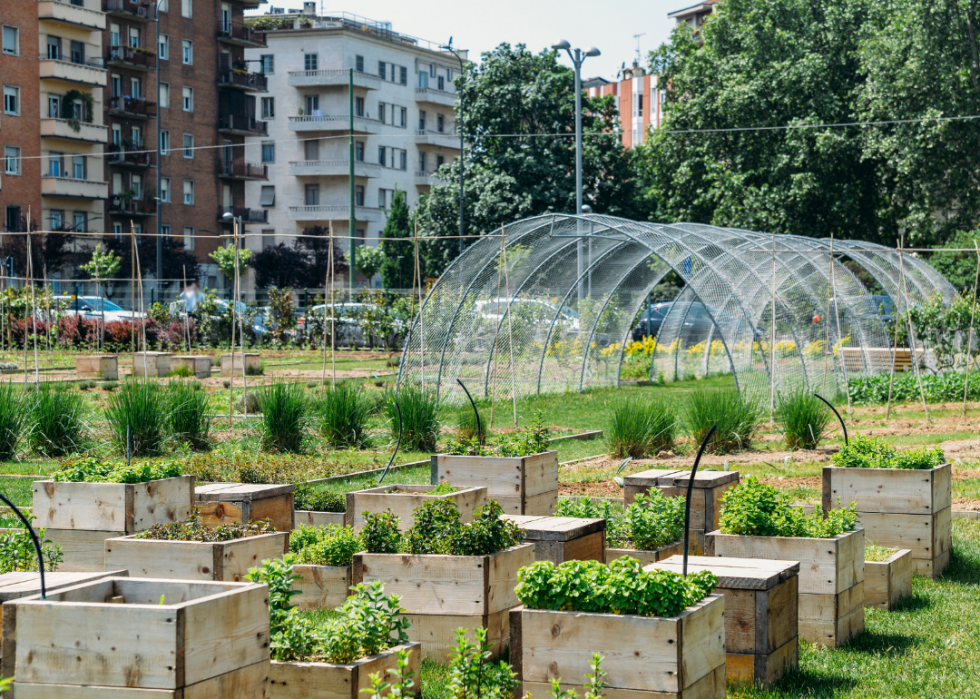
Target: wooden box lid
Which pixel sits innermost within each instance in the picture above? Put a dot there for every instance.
(240, 492)
(556, 528)
(703, 479)
(734, 573)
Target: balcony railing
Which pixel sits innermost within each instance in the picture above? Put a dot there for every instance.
(333, 212)
(52, 127)
(245, 125)
(139, 10)
(327, 168)
(132, 207)
(52, 186)
(136, 156)
(243, 171)
(307, 78)
(240, 35)
(338, 122)
(134, 107)
(131, 57)
(243, 81)
(247, 215)
(435, 96)
(70, 13)
(75, 69)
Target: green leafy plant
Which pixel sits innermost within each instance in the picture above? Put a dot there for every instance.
(93, 469)
(735, 413)
(753, 508)
(283, 412)
(533, 439)
(380, 533)
(195, 529)
(306, 497)
(279, 576)
(640, 429)
(11, 420)
(874, 552)
(331, 545)
(874, 452)
(188, 418)
(182, 371)
(653, 520)
(139, 409)
(473, 675)
(443, 488)
(803, 417)
(368, 622)
(594, 683)
(18, 555)
(401, 684)
(55, 422)
(420, 418)
(341, 415)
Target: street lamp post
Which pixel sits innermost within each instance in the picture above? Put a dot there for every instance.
(459, 126)
(578, 58)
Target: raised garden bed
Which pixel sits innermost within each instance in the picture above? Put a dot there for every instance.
(199, 366)
(297, 680)
(888, 582)
(761, 623)
(103, 366)
(560, 539)
(311, 518)
(151, 364)
(233, 363)
(119, 635)
(403, 499)
(523, 485)
(220, 503)
(646, 557)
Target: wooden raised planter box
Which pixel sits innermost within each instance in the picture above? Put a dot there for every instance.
(831, 580)
(647, 557)
(155, 364)
(900, 508)
(443, 593)
(321, 587)
(233, 363)
(126, 637)
(403, 499)
(644, 657)
(761, 622)
(219, 503)
(560, 539)
(330, 681)
(199, 365)
(707, 496)
(523, 485)
(79, 517)
(104, 366)
(888, 582)
(225, 561)
(310, 518)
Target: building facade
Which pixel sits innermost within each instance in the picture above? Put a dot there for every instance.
(404, 125)
(639, 98)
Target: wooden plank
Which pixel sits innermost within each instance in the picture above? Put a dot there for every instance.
(889, 490)
(17, 585)
(740, 620)
(931, 567)
(650, 478)
(763, 669)
(216, 513)
(330, 681)
(318, 519)
(70, 691)
(277, 510)
(559, 528)
(404, 499)
(541, 504)
(921, 534)
(646, 557)
(737, 573)
(83, 549)
(711, 686)
(92, 506)
(251, 682)
(782, 607)
(437, 632)
(161, 502)
(502, 570)
(702, 642)
(540, 474)
(503, 476)
(321, 587)
(591, 547)
(516, 646)
(241, 492)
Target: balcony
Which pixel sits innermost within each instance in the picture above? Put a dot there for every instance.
(69, 187)
(253, 4)
(133, 10)
(83, 72)
(62, 128)
(132, 207)
(134, 156)
(247, 215)
(241, 80)
(332, 168)
(430, 95)
(443, 139)
(334, 123)
(71, 14)
(237, 34)
(333, 212)
(132, 108)
(238, 125)
(238, 170)
(423, 178)
(134, 59)
(328, 78)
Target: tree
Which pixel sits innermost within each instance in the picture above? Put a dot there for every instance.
(280, 266)
(315, 245)
(960, 268)
(102, 265)
(224, 257)
(369, 260)
(49, 251)
(398, 260)
(177, 262)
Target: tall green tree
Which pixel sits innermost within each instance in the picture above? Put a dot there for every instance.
(398, 266)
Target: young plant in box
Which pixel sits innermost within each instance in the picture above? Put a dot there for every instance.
(753, 508)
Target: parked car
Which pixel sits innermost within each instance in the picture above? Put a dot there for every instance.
(91, 307)
(537, 311)
(699, 320)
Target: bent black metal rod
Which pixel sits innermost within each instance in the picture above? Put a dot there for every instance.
(690, 486)
(37, 543)
(398, 409)
(839, 418)
(479, 432)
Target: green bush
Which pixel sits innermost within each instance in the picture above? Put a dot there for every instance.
(640, 429)
(341, 414)
(195, 529)
(182, 371)
(139, 408)
(533, 439)
(803, 417)
(306, 497)
(735, 414)
(324, 546)
(420, 418)
(18, 555)
(55, 421)
(188, 418)
(380, 533)
(653, 521)
(12, 420)
(753, 508)
(283, 413)
(874, 452)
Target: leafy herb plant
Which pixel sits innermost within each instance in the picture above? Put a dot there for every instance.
(874, 452)
(753, 508)
(195, 529)
(324, 546)
(473, 674)
(18, 555)
(639, 429)
(306, 497)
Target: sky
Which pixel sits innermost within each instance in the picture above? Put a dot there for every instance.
(610, 26)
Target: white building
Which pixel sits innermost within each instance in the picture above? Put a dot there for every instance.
(404, 125)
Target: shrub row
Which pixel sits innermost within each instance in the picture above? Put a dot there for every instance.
(948, 387)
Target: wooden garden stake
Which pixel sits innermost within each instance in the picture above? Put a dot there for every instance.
(905, 294)
(969, 337)
(840, 338)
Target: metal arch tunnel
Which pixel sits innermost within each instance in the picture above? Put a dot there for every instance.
(547, 304)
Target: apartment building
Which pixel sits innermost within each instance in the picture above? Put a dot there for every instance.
(639, 98)
(404, 124)
(695, 15)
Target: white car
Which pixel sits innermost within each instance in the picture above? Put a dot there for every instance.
(91, 308)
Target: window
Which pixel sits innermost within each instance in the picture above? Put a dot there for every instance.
(383, 70)
(13, 216)
(187, 51)
(117, 134)
(449, 74)
(359, 195)
(432, 70)
(188, 99)
(186, 8)
(136, 184)
(77, 52)
(54, 164)
(188, 145)
(312, 104)
(440, 122)
(359, 234)
(11, 40)
(165, 95)
(78, 167)
(54, 48)
(136, 89)
(269, 151)
(359, 63)
(403, 75)
(115, 85)
(57, 219)
(134, 38)
(310, 61)
(359, 106)
(382, 156)
(268, 238)
(383, 198)
(189, 192)
(312, 194)
(402, 117)
(11, 99)
(268, 64)
(164, 143)
(268, 196)
(117, 229)
(114, 35)
(422, 162)
(268, 107)
(165, 230)
(189, 238)
(137, 137)
(423, 79)
(54, 106)
(421, 120)
(163, 52)
(164, 189)
(11, 160)
(117, 187)
(359, 151)
(403, 160)
(441, 83)
(311, 150)
(80, 221)
(439, 161)
(382, 112)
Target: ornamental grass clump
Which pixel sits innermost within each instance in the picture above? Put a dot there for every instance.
(622, 587)
(753, 508)
(641, 429)
(420, 418)
(874, 452)
(137, 417)
(331, 545)
(188, 418)
(803, 417)
(55, 420)
(11, 420)
(283, 414)
(735, 413)
(340, 415)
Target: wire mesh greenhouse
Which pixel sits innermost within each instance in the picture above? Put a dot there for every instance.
(548, 303)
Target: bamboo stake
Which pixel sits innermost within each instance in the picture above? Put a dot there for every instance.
(418, 274)
(891, 372)
(496, 336)
(132, 291)
(510, 333)
(236, 300)
(905, 295)
(28, 270)
(231, 348)
(969, 336)
(840, 338)
(142, 311)
(187, 312)
(333, 316)
(772, 342)
(326, 284)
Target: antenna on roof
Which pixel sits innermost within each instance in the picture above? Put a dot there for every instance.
(637, 37)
